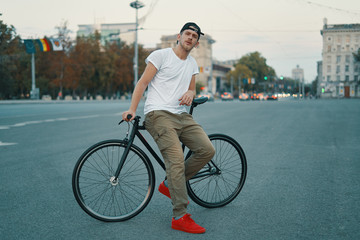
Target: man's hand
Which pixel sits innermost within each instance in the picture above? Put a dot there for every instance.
(187, 98)
(126, 113)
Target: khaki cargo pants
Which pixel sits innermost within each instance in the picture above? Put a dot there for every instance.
(167, 129)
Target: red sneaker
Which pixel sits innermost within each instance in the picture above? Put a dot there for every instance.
(164, 190)
(186, 224)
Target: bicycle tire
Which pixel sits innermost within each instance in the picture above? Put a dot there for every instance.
(217, 190)
(104, 199)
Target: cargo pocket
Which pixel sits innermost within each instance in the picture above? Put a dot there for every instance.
(156, 126)
(163, 139)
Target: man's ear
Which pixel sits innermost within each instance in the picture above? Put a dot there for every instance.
(197, 44)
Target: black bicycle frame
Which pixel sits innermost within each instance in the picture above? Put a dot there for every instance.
(135, 132)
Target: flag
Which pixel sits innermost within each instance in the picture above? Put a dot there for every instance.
(56, 44)
(44, 44)
(29, 46)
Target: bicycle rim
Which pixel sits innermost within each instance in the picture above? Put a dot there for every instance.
(102, 197)
(223, 177)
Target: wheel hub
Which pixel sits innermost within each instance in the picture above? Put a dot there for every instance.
(114, 181)
(214, 170)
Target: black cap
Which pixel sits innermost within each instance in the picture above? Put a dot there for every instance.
(192, 26)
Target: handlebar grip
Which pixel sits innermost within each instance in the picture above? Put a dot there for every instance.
(129, 116)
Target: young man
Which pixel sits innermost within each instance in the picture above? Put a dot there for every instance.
(170, 78)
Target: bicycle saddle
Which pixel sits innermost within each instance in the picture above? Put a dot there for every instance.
(199, 100)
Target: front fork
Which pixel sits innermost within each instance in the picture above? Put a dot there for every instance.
(129, 142)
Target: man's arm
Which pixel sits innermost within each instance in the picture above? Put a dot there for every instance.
(188, 97)
(140, 87)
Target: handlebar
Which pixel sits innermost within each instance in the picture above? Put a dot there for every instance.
(195, 102)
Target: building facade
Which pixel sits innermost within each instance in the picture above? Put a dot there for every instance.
(124, 32)
(298, 75)
(339, 76)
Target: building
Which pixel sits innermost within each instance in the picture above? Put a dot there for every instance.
(298, 75)
(339, 76)
(110, 32)
(203, 57)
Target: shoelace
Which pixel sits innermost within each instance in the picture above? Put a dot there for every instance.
(188, 216)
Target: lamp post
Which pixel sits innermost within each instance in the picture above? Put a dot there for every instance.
(136, 4)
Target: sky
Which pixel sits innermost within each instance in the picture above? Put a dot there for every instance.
(285, 32)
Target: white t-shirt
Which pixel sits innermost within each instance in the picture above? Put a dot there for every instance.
(170, 82)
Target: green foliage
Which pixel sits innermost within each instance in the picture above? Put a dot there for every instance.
(357, 56)
(13, 63)
(85, 67)
(257, 64)
(252, 65)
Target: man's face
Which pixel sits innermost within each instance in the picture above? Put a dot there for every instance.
(188, 39)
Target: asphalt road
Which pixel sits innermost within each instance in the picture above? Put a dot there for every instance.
(303, 171)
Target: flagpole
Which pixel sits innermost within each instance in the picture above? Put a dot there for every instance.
(33, 87)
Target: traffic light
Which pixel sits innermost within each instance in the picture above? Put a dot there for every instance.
(322, 90)
(281, 78)
(265, 78)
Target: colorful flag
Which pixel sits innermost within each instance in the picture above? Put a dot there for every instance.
(44, 45)
(29, 46)
(56, 44)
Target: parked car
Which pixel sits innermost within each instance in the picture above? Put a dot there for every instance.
(209, 95)
(226, 96)
(244, 97)
(271, 97)
(258, 96)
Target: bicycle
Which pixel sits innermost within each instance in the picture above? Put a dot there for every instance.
(114, 180)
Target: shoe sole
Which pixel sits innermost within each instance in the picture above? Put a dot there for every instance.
(188, 231)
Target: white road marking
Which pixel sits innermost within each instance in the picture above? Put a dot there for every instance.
(6, 144)
(22, 124)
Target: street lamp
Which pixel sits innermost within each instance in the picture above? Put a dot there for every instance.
(136, 4)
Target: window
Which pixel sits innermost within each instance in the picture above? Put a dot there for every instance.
(329, 68)
(356, 78)
(328, 78)
(347, 39)
(347, 58)
(329, 48)
(339, 39)
(339, 48)
(338, 59)
(346, 68)
(337, 68)
(337, 77)
(328, 59)
(347, 78)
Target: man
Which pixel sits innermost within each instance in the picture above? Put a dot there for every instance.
(170, 78)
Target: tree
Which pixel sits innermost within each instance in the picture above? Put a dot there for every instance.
(14, 64)
(357, 56)
(240, 72)
(257, 64)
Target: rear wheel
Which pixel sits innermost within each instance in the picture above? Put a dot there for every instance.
(221, 180)
(101, 195)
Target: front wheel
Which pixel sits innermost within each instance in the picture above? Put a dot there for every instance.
(221, 180)
(103, 196)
